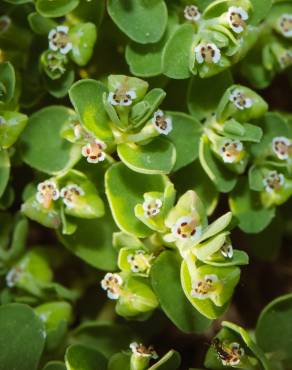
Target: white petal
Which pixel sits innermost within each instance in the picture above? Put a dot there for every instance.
(112, 295)
(111, 99)
(66, 48)
(132, 94)
(159, 113)
(64, 29)
(198, 55)
(52, 46)
(52, 33)
(217, 53)
(238, 29)
(39, 197)
(84, 150)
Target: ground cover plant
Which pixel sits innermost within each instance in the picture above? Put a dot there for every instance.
(145, 184)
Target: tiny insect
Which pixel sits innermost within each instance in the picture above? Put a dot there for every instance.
(224, 354)
(230, 354)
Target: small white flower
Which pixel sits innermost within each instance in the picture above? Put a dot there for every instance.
(227, 250)
(208, 53)
(121, 97)
(140, 261)
(234, 354)
(152, 207)
(285, 24)
(239, 99)
(285, 59)
(13, 276)
(142, 351)
(236, 18)
(162, 123)
(186, 228)
(94, 151)
(112, 284)
(273, 181)
(70, 193)
(205, 287)
(191, 13)
(231, 151)
(47, 192)
(59, 40)
(282, 147)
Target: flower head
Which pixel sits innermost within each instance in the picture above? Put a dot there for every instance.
(273, 181)
(142, 351)
(231, 151)
(285, 24)
(162, 123)
(140, 261)
(230, 354)
(205, 287)
(59, 40)
(112, 284)
(227, 250)
(236, 18)
(13, 276)
(152, 207)
(70, 193)
(285, 59)
(47, 192)
(187, 228)
(94, 151)
(282, 147)
(121, 97)
(208, 53)
(239, 99)
(55, 62)
(191, 13)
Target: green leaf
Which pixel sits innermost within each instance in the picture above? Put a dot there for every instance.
(79, 357)
(171, 296)
(156, 157)
(86, 97)
(50, 9)
(260, 10)
(92, 242)
(274, 327)
(11, 127)
(41, 25)
(185, 135)
(194, 177)
(107, 338)
(257, 351)
(144, 22)
(204, 94)
(42, 146)
(273, 124)
(230, 277)
(7, 82)
(176, 55)
(54, 365)
(146, 60)
(83, 37)
(216, 227)
(60, 87)
(23, 330)
(4, 170)
(246, 205)
(170, 361)
(89, 205)
(223, 179)
(125, 189)
(119, 361)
